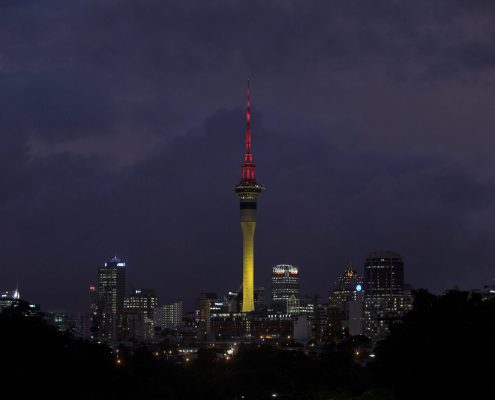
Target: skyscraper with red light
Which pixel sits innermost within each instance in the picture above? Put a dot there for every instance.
(111, 292)
(248, 191)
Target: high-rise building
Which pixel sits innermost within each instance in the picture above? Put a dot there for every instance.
(9, 298)
(142, 300)
(93, 299)
(387, 299)
(138, 314)
(285, 286)
(348, 297)
(89, 320)
(347, 287)
(384, 272)
(168, 316)
(205, 302)
(111, 293)
(327, 323)
(248, 191)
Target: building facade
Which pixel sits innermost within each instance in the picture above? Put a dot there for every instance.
(168, 316)
(285, 286)
(9, 298)
(348, 297)
(111, 293)
(138, 314)
(387, 299)
(347, 287)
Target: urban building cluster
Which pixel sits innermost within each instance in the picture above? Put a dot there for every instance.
(115, 315)
(358, 304)
(355, 306)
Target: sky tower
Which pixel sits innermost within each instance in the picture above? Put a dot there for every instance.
(248, 192)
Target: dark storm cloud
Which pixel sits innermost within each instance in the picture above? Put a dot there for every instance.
(121, 128)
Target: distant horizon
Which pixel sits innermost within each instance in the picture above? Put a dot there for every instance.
(188, 302)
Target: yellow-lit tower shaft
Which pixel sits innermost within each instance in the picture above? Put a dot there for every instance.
(248, 191)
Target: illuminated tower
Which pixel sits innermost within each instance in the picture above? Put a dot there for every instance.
(248, 191)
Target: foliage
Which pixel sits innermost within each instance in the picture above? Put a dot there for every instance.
(442, 349)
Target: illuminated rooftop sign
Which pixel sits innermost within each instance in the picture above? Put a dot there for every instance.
(285, 269)
(111, 264)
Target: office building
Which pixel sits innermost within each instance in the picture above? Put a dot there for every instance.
(138, 314)
(386, 299)
(347, 287)
(142, 300)
(89, 320)
(327, 323)
(348, 297)
(285, 286)
(205, 302)
(110, 294)
(168, 316)
(9, 298)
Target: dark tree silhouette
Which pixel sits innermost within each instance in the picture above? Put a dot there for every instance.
(443, 349)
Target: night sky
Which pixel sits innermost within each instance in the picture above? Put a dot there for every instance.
(122, 128)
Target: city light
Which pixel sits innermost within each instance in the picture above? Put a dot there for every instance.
(119, 134)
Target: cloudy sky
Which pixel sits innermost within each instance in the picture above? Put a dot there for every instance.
(122, 124)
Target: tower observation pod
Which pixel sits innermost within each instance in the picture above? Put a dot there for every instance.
(248, 191)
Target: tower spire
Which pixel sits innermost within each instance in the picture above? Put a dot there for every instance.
(248, 174)
(248, 118)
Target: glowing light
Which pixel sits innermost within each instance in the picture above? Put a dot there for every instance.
(248, 228)
(359, 288)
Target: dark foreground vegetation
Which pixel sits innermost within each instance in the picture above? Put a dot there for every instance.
(444, 349)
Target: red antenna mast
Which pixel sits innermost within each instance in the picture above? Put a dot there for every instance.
(248, 175)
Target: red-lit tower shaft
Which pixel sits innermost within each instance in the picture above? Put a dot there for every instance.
(247, 170)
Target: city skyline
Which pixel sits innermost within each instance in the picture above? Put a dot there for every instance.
(130, 145)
